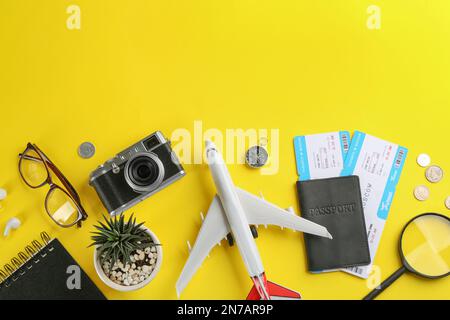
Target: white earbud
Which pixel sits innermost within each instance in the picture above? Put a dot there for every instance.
(12, 223)
(3, 194)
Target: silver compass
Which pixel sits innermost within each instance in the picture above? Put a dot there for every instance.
(257, 156)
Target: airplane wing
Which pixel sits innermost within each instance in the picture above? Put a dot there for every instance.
(214, 228)
(261, 212)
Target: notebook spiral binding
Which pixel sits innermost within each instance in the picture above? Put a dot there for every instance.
(22, 257)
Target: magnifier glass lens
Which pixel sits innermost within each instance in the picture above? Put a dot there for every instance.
(426, 245)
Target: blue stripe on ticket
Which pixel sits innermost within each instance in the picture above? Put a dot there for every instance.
(301, 156)
(394, 177)
(355, 150)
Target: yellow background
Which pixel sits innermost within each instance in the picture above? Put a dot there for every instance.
(298, 66)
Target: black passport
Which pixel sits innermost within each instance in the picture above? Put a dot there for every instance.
(336, 204)
(49, 275)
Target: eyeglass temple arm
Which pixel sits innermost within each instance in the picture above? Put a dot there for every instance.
(29, 157)
(63, 179)
(69, 187)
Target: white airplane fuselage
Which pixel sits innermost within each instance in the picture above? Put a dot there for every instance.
(234, 211)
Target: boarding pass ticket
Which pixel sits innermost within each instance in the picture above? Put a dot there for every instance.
(321, 155)
(378, 164)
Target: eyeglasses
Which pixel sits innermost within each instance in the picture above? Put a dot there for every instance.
(62, 203)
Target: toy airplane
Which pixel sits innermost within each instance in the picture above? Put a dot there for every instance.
(233, 211)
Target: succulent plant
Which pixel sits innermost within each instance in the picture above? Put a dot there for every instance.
(117, 239)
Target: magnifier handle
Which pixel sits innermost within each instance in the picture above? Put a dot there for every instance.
(386, 283)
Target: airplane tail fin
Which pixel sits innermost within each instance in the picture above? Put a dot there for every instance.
(276, 292)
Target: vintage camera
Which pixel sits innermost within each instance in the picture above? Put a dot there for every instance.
(136, 173)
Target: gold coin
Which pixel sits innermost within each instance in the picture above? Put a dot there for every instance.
(434, 174)
(421, 193)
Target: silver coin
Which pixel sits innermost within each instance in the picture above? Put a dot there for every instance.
(423, 160)
(86, 150)
(447, 203)
(421, 193)
(256, 157)
(434, 174)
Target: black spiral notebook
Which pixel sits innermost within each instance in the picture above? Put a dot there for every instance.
(46, 271)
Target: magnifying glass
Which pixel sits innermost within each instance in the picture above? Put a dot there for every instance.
(424, 250)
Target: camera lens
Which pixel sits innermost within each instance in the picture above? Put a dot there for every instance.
(143, 171)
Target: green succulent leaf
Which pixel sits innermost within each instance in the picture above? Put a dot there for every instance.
(117, 238)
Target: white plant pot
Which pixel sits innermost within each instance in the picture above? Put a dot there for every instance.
(118, 287)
